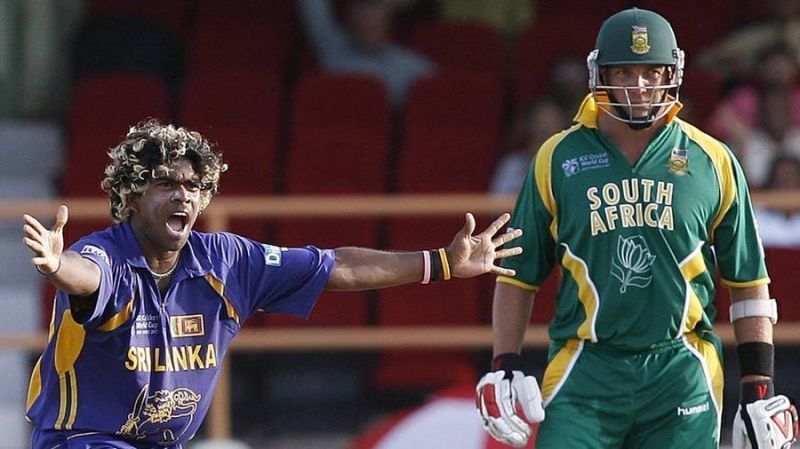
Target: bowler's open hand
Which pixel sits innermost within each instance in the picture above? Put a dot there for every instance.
(471, 255)
(46, 244)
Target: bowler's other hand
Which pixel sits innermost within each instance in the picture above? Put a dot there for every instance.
(46, 244)
(472, 255)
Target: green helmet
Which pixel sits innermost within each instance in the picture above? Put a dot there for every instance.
(636, 36)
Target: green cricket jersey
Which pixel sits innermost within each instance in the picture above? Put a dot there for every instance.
(637, 245)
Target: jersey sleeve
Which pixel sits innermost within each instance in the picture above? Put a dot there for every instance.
(738, 248)
(116, 282)
(285, 280)
(532, 216)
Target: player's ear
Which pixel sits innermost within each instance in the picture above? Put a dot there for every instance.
(133, 202)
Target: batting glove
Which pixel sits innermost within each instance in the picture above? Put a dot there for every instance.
(770, 423)
(497, 395)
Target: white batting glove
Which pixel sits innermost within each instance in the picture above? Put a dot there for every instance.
(766, 424)
(496, 399)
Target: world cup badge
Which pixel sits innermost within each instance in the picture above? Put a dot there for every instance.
(639, 40)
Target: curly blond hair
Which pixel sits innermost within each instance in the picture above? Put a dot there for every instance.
(151, 148)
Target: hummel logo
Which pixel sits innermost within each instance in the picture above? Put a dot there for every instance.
(704, 407)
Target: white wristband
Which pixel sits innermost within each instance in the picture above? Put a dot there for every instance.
(426, 267)
(754, 308)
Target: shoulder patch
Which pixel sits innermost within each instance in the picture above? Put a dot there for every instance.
(272, 254)
(97, 251)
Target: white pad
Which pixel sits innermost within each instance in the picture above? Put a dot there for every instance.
(753, 308)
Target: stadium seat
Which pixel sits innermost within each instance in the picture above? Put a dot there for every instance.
(272, 11)
(461, 45)
(596, 11)
(695, 31)
(230, 42)
(340, 135)
(541, 45)
(232, 97)
(451, 133)
(340, 140)
(102, 109)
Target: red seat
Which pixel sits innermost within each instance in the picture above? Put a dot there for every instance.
(339, 145)
(695, 31)
(265, 10)
(461, 45)
(101, 111)
(340, 136)
(595, 11)
(230, 42)
(541, 45)
(452, 128)
(232, 97)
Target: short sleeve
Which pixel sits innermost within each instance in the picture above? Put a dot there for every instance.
(738, 248)
(530, 214)
(116, 282)
(284, 280)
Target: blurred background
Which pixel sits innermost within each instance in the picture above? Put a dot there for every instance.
(377, 97)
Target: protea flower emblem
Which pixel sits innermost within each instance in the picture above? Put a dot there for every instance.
(632, 262)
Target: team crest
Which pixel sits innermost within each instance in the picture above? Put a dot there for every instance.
(187, 325)
(639, 40)
(678, 161)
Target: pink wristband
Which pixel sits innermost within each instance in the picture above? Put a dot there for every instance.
(426, 270)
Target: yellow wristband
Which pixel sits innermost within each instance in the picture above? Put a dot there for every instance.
(445, 265)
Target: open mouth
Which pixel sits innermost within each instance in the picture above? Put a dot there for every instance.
(178, 222)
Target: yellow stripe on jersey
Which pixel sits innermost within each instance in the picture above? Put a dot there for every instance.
(723, 166)
(712, 366)
(755, 283)
(520, 284)
(69, 343)
(34, 385)
(73, 399)
(691, 267)
(118, 319)
(587, 293)
(559, 368)
(543, 176)
(219, 287)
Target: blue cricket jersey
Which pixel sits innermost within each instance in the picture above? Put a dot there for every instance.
(142, 366)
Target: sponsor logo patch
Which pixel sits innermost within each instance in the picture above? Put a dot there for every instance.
(272, 255)
(99, 252)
